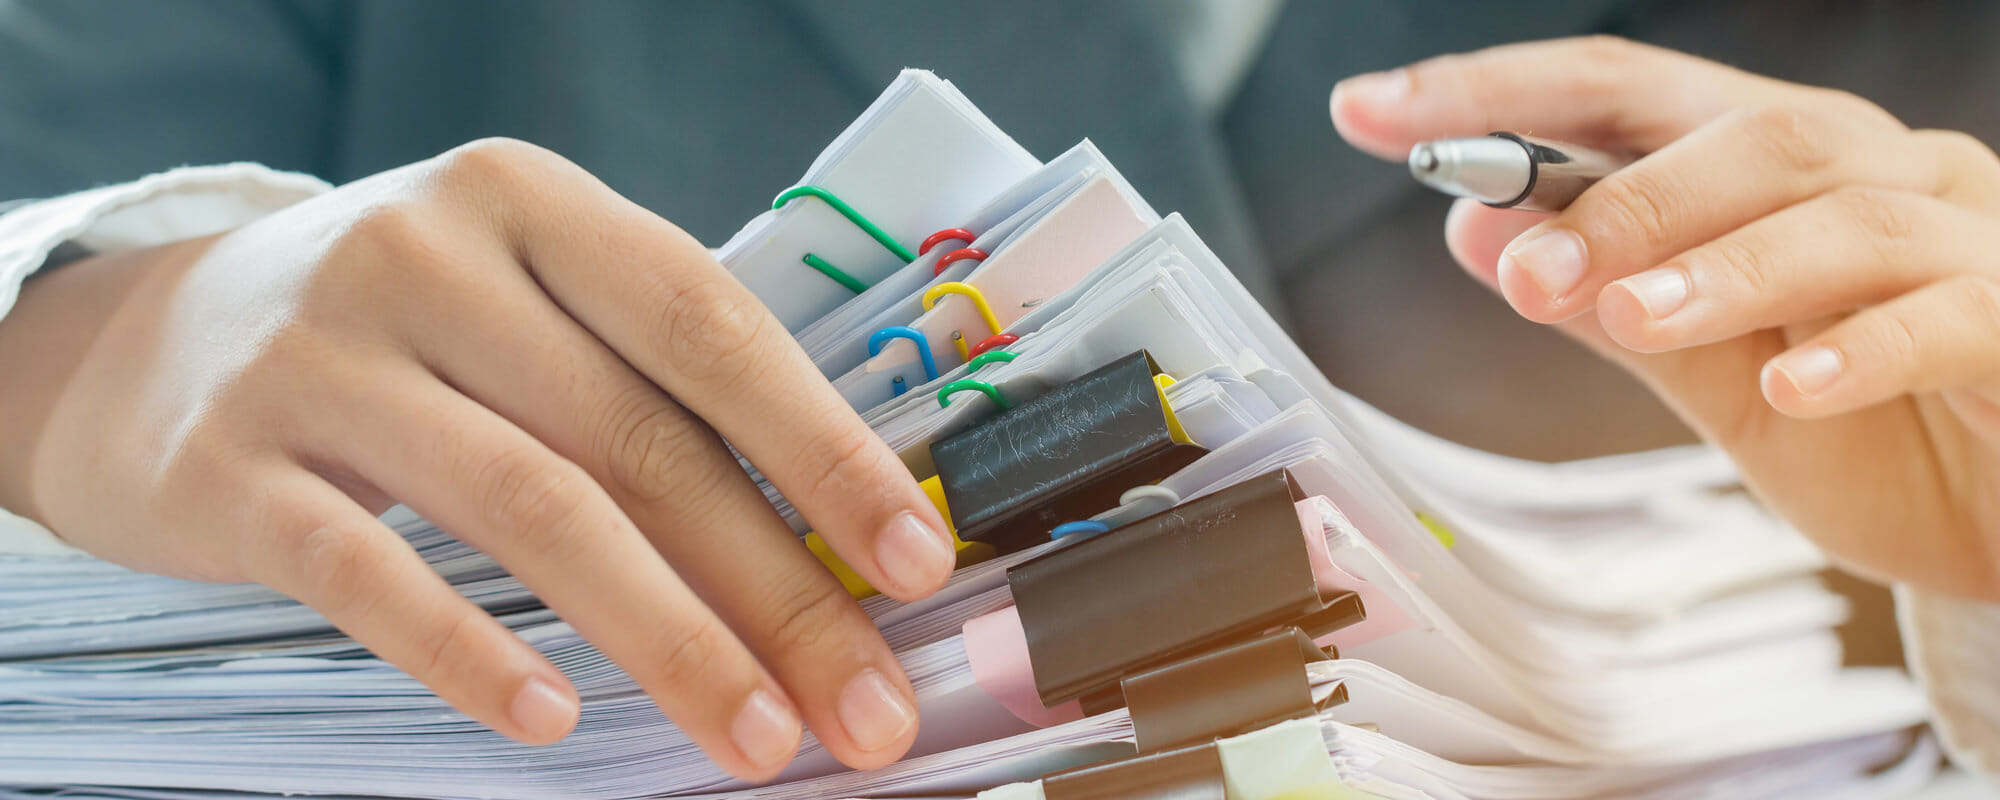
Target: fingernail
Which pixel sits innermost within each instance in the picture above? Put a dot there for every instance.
(1554, 260)
(912, 555)
(1661, 291)
(1376, 88)
(1810, 370)
(873, 712)
(542, 711)
(765, 731)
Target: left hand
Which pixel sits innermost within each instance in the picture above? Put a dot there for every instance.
(1812, 285)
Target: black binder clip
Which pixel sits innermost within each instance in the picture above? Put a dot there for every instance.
(1063, 456)
(1199, 620)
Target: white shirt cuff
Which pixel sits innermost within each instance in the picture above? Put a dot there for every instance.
(1953, 647)
(178, 204)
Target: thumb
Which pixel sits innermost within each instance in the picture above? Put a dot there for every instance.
(1476, 233)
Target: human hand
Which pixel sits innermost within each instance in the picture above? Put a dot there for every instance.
(1810, 284)
(501, 342)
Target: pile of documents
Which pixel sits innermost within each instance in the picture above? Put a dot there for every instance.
(1190, 566)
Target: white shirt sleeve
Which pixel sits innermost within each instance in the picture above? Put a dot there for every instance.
(178, 204)
(1953, 647)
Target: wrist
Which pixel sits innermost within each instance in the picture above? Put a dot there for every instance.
(47, 337)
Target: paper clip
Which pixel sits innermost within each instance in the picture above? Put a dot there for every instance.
(882, 337)
(1140, 502)
(970, 385)
(1082, 526)
(874, 231)
(956, 256)
(946, 235)
(978, 300)
(991, 342)
(987, 358)
(1150, 493)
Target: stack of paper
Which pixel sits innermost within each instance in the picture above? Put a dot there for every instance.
(1628, 627)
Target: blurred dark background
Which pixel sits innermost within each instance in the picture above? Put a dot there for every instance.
(702, 110)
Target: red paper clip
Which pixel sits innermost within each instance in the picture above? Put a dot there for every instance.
(946, 235)
(996, 340)
(956, 256)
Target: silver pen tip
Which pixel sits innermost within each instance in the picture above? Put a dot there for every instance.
(1423, 161)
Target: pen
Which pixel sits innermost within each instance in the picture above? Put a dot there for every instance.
(1508, 170)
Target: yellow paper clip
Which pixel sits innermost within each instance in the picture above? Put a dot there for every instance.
(978, 300)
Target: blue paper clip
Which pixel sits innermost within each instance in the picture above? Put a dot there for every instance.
(1082, 526)
(882, 337)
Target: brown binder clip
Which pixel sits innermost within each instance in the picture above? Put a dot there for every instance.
(1200, 620)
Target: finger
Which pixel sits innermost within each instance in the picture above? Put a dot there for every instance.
(480, 477)
(1833, 253)
(1945, 335)
(1477, 233)
(663, 303)
(1596, 90)
(674, 478)
(1746, 165)
(313, 543)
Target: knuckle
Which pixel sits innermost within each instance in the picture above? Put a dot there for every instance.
(1746, 265)
(649, 437)
(537, 498)
(449, 651)
(1642, 204)
(340, 565)
(1895, 340)
(393, 242)
(1795, 139)
(381, 229)
(712, 329)
(1607, 50)
(496, 161)
(1960, 147)
(1849, 104)
(804, 612)
(1980, 297)
(845, 463)
(1879, 216)
(686, 657)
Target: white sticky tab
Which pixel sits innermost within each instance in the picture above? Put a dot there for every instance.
(1273, 762)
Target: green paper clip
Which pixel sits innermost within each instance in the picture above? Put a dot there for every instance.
(874, 231)
(969, 385)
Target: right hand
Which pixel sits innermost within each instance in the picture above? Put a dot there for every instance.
(499, 341)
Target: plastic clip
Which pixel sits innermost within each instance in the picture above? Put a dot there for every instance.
(956, 256)
(946, 235)
(1065, 455)
(882, 337)
(991, 342)
(874, 231)
(988, 357)
(1078, 528)
(1097, 615)
(1192, 667)
(968, 385)
(978, 301)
